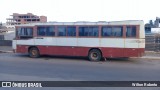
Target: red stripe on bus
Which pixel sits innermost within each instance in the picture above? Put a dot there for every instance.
(83, 51)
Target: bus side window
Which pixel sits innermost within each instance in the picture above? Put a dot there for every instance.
(83, 31)
(71, 31)
(106, 31)
(62, 31)
(46, 31)
(93, 31)
(41, 31)
(117, 31)
(50, 31)
(131, 31)
(25, 32)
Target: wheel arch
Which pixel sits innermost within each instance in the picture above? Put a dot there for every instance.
(32, 47)
(97, 49)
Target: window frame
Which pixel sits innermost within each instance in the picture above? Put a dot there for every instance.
(51, 26)
(137, 31)
(112, 26)
(57, 26)
(75, 30)
(25, 36)
(88, 26)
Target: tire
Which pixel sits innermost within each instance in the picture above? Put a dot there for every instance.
(94, 55)
(34, 52)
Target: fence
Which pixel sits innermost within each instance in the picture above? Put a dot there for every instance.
(1, 37)
(152, 42)
(5, 42)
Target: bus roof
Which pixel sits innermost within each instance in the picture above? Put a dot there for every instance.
(126, 22)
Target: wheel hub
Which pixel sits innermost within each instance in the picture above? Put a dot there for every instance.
(34, 52)
(94, 55)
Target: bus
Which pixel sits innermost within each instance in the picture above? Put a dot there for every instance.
(95, 40)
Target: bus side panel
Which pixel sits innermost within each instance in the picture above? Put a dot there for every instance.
(134, 52)
(112, 52)
(81, 51)
(120, 52)
(112, 47)
(22, 45)
(131, 52)
(63, 50)
(141, 52)
(22, 49)
(14, 45)
(44, 50)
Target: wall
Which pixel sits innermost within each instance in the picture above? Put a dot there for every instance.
(9, 36)
(5, 42)
(152, 42)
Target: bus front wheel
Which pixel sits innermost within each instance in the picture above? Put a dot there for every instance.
(34, 52)
(94, 55)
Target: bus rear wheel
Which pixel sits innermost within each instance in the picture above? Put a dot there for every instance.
(95, 55)
(34, 52)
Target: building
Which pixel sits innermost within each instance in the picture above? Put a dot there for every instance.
(7, 31)
(153, 27)
(17, 19)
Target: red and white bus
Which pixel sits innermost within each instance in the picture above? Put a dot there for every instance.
(93, 39)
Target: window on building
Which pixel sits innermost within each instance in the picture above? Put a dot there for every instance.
(112, 31)
(46, 31)
(33, 19)
(61, 31)
(28, 16)
(28, 19)
(131, 31)
(71, 31)
(88, 31)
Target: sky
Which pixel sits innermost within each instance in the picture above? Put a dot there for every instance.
(83, 10)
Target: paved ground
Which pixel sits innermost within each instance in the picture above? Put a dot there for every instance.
(5, 48)
(21, 67)
(49, 68)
